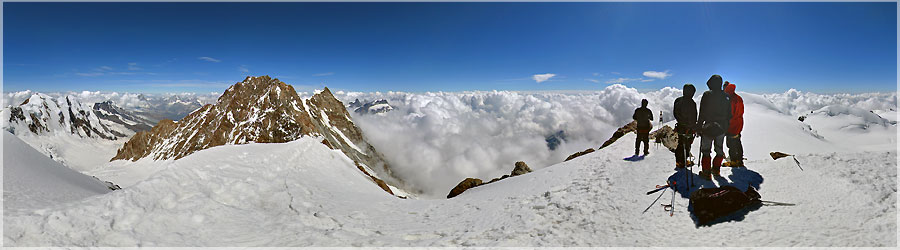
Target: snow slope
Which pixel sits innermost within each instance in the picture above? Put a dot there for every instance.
(65, 129)
(80, 154)
(32, 180)
(303, 194)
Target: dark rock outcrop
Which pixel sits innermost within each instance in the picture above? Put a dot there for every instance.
(628, 128)
(622, 131)
(667, 136)
(463, 186)
(520, 169)
(554, 140)
(576, 155)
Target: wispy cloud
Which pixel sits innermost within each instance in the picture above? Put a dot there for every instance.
(621, 80)
(592, 80)
(542, 77)
(133, 66)
(108, 71)
(597, 74)
(208, 59)
(615, 73)
(657, 74)
(324, 74)
(243, 69)
(625, 79)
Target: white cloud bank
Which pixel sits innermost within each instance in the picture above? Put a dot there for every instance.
(542, 77)
(434, 140)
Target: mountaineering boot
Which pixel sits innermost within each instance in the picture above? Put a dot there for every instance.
(734, 164)
(704, 173)
(679, 165)
(717, 164)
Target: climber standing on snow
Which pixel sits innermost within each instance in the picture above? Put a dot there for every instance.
(685, 111)
(643, 116)
(735, 125)
(715, 112)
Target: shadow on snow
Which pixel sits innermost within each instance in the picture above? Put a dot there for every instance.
(741, 178)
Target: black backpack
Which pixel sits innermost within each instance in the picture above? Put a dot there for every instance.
(709, 204)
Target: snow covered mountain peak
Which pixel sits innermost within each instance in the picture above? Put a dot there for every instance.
(42, 114)
(379, 106)
(262, 110)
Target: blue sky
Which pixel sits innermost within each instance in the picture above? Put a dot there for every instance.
(205, 47)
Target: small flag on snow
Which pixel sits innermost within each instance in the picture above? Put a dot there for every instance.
(778, 155)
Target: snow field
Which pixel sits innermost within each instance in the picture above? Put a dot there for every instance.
(31, 180)
(303, 194)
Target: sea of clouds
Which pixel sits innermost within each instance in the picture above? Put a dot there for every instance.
(436, 139)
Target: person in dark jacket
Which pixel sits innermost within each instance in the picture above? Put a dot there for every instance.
(735, 125)
(685, 111)
(715, 112)
(643, 116)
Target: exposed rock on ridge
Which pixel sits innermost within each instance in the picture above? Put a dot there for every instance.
(43, 114)
(375, 107)
(110, 112)
(261, 110)
(520, 169)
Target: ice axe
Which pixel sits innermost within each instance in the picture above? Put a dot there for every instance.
(658, 188)
(778, 155)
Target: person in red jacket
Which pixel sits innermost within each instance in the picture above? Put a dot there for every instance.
(735, 125)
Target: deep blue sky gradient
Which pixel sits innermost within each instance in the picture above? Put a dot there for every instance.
(762, 47)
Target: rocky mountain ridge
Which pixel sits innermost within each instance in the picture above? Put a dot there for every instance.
(109, 111)
(261, 110)
(379, 106)
(42, 114)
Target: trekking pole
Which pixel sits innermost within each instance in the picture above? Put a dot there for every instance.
(687, 172)
(774, 203)
(798, 162)
(659, 125)
(654, 201)
(672, 205)
(658, 188)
